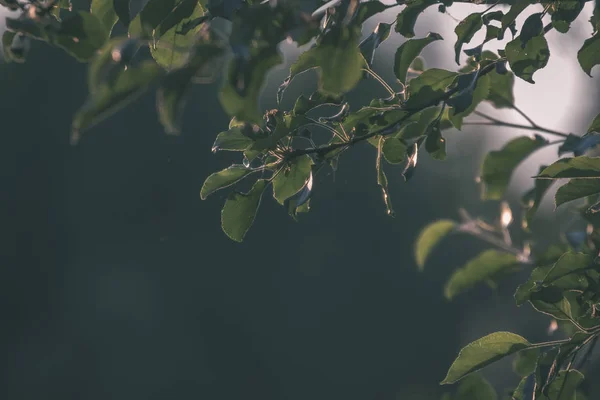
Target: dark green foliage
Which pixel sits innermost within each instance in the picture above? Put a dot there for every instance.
(173, 45)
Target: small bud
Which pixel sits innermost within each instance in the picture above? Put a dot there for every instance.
(506, 216)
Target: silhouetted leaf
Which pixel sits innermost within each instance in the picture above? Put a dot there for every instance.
(576, 189)
(483, 352)
(408, 52)
(524, 62)
(498, 165)
(429, 237)
(477, 270)
(222, 179)
(240, 210)
(565, 12)
(435, 144)
(405, 22)
(372, 42)
(532, 27)
(575, 167)
(150, 17)
(122, 9)
(466, 102)
(509, 18)
(589, 54)
(292, 178)
(465, 30)
(578, 145)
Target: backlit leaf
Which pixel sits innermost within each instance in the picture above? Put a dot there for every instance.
(429, 237)
(223, 179)
(240, 210)
(576, 189)
(408, 52)
(292, 179)
(575, 167)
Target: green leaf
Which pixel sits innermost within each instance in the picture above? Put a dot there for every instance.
(525, 362)
(576, 189)
(338, 58)
(564, 386)
(595, 126)
(509, 18)
(532, 27)
(81, 35)
(477, 270)
(428, 87)
(382, 179)
(552, 301)
(114, 94)
(292, 178)
(105, 12)
(15, 47)
(429, 237)
(471, 99)
(240, 209)
(501, 89)
(233, 139)
(153, 13)
(565, 12)
(524, 62)
(595, 20)
(589, 54)
(372, 42)
(435, 144)
(476, 387)
(499, 165)
(573, 167)
(465, 31)
(408, 52)
(171, 48)
(525, 290)
(405, 21)
(222, 179)
(244, 104)
(121, 7)
(394, 150)
(568, 263)
(483, 352)
(170, 97)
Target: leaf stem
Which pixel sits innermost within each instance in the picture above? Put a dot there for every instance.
(497, 122)
(381, 81)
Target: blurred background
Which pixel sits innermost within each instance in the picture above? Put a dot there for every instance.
(119, 284)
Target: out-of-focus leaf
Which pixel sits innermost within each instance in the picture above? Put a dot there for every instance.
(525, 362)
(576, 189)
(565, 385)
(499, 165)
(240, 210)
(170, 97)
(524, 62)
(429, 237)
(171, 48)
(595, 125)
(408, 52)
(405, 22)
(292, 179)
(575, 167)
(465, 30)
(104, 10)
(483, 352)
(533, 198)
(222, 179)
(589, 54)
(114, 94)
(147, 20)
(477, 270)
(476, 387)
(578, 145)
(121, 7)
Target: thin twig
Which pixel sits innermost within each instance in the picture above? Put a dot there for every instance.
(498, 122)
